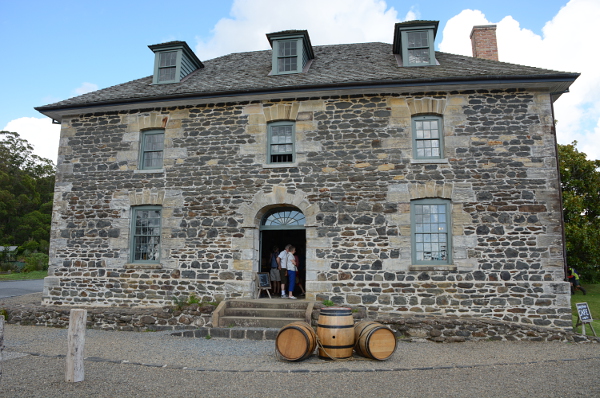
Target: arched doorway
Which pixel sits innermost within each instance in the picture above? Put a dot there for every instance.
(279, 227)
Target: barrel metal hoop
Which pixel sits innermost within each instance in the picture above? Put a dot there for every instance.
(334, 326)
(337, 346)
(335, 312)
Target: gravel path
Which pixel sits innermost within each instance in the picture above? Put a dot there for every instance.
(130, 364)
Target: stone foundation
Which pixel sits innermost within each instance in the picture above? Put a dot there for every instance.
(197, 321)
(123, 319)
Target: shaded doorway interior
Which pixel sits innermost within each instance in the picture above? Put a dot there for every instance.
(280, 227)
(281, 238)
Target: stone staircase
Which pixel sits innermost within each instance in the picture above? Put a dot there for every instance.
(261, 313)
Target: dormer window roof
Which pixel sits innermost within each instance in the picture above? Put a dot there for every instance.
(173, 61)
(414, 43)
(292, 51)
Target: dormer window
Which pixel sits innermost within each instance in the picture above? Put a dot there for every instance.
(287, 55)
(173, 61)
(167, 66)
(292, 52)
(414, 43)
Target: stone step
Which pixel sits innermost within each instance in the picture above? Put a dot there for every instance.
(263, 313)
(275, 303)
(266, 312)
(261, 322)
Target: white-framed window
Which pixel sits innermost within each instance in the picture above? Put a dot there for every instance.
(428, 137)
(431, 236)
(281, 142)
(152, 145)
(145, 234)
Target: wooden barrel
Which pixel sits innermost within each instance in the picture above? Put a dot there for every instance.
(296, 341)
(373, 340)
(335, 332)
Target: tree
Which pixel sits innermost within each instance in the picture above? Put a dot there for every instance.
(26, 194)
(580, 184)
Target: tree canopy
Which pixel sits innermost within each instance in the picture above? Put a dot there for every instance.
(580, 183)
(26, 194)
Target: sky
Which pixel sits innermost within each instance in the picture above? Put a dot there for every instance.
(54, 50)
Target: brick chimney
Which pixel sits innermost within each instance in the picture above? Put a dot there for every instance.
(483, 40)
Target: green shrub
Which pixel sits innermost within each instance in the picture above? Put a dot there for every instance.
(36, 262)
(328, 303)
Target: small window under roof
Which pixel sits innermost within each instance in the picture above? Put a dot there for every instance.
(173, 61)
(414, 42)
(292, 51)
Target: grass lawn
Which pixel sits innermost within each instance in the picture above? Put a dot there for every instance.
(23, 276)
(592, 298)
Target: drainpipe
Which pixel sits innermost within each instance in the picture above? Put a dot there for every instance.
(560, 197)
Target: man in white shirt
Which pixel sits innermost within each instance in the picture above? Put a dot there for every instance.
(282, 262)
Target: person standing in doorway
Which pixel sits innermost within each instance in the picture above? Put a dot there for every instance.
(282, 262)
(274, 274)
(291, 268)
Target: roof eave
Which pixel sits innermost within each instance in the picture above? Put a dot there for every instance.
(557, 84)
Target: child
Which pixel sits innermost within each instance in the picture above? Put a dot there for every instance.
(574, 279)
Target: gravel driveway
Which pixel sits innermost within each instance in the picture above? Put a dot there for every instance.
(130, 364)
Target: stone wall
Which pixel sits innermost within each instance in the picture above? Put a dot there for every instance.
(123, 319)
(354, 178)
(196, 321)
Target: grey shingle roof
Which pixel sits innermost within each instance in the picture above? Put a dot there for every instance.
(334, 66)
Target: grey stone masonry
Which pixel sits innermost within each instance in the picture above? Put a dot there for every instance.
(353, 177)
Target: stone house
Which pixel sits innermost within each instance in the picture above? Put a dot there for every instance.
(412, 181)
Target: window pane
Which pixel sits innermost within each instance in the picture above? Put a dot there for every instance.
(287, 48)
(166, 74)
(427, 139)
(146, 244)
(153, 146)
(288, 64)
(431, 232)
(281, 143)
(418, 39)
(419, 56)
(168, 58)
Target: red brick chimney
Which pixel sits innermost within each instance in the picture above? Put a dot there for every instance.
(483, 40)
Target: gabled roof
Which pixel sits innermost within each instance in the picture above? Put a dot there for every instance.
(335, 67)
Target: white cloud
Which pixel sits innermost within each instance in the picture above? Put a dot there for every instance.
(336, 21)
(85, 88)
(568, 44)
(40, 133)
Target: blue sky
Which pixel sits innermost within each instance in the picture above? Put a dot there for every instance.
(57, 50)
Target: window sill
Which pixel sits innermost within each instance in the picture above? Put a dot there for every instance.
(429, 161)
(279, 165)
(143, 266)
(149, 171)
(424, 267)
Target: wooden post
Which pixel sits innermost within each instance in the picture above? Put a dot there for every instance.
(76, 341)
(1, 342)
